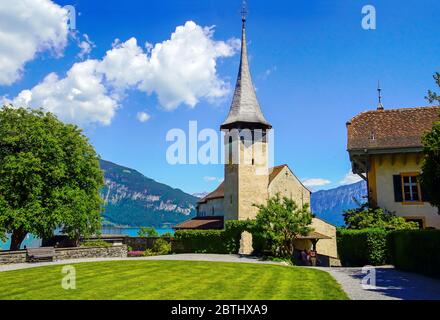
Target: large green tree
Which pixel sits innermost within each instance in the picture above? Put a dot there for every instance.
(49, 177)
(280, 221)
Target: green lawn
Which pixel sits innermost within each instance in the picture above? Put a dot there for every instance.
(171, 280)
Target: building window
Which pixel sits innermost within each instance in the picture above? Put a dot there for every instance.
(411, 188)
(407, 188)
(213, 211)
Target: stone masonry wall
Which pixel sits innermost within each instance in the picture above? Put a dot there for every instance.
(120, 251)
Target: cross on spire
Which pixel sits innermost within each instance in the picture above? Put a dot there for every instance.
(379, 91)
(244, 10)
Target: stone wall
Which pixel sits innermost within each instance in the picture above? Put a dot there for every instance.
(8, 257)
(92, 252)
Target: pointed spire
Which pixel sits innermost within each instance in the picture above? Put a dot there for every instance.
(245, 108)
(379, 91)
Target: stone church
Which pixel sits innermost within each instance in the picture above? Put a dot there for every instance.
(248, 179)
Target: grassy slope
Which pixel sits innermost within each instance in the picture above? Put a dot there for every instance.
(171, 280)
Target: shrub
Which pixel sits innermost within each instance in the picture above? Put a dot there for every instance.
(161, 247)
(416, 251)
(167, 235)
(134, 254)
(218, 241)
(96, 243)
(212, 241)
(362, 247)
(148, 253)
(377, 218)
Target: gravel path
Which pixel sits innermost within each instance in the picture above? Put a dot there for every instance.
(391, 284)
(177, 257)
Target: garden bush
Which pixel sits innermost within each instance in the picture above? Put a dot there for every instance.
(217, 241)
(96, 243)
(416, 251)
(201, 241)
(362, 247)
(161, 247)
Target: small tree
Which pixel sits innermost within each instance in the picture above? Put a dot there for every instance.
(49, 177)
(365, 217)
(146, 232)
(433, 97)
(280, 222)
(430, 177)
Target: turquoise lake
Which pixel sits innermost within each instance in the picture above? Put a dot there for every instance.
(33, 242)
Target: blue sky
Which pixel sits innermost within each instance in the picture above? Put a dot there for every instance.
(313, 65)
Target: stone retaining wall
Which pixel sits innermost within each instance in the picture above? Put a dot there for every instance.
(143, 243)
(120, 251)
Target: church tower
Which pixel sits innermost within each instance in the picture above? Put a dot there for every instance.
(246, 147)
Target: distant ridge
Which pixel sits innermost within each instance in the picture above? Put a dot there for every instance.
(330, 204)
(131, 199)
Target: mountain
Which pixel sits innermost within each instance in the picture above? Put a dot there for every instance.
(200, 195)
(134, 200)
(330, 204)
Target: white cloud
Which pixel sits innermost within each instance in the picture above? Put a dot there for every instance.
(350, 178)
(315, 182)
(86, 45)
(211, 179)
(181, 70)
(80, 97)
(143, 116)
(26, 28)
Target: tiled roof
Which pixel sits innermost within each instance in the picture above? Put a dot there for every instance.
(217, 193)
(202, 223)
(274, 171)
(390, 129)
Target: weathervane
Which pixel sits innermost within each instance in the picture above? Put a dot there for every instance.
(379, 91)
(244, 10)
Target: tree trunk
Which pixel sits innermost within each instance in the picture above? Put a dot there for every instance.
(17, 238)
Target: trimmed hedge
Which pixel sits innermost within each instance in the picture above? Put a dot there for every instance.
(217, 241)
(200, 241)
(416, 251)
(362, 247)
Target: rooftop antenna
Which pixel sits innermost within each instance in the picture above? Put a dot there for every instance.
(379, 91)
(244, 11)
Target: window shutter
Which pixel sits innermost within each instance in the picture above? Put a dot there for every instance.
(397, 179)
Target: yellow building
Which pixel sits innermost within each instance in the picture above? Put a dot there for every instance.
(385, 148)
(248, 179)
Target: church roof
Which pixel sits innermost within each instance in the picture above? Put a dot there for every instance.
(275, 171)
(220, 191)
(390, 129)
(217, 193)
(202, 223)
(245, 109)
